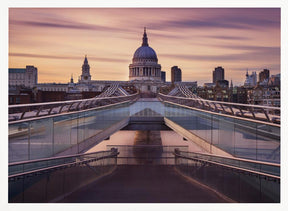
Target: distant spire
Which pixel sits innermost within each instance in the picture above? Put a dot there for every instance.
(145, 38)
(86, 60)
(71, 80)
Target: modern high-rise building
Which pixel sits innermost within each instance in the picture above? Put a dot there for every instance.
(264, 75)
(218, 74)
(176, 74)
(27, 77)
(163, 76)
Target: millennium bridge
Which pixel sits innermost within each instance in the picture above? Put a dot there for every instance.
(50, 158)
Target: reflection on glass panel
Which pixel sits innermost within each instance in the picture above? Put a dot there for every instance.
(245, 139)
(226, 134)
(268, 143)
(74, 130)
(41, 138)
(215, 130)
(147, 109)
(18, 142)
(80, 127)
(242, 138)
(89, 117)
(62, 132)
(204, 126)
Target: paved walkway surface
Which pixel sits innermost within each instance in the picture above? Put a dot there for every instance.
(143, 184)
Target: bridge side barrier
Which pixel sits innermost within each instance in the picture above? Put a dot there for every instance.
(239, 179)
(257, 112)
(64, 134)
(59, 177)
(21, 168)
(28, 111)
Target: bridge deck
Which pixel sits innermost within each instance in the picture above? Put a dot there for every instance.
(143, 184)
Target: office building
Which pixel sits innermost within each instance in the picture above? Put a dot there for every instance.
(26, 77)
(264, 75)
(218, 74)
(176, 74)
(251, 80)
(163, 76)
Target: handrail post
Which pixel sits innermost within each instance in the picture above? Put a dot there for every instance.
(230, 107)
(222, 107)
(267, 116)
(39, 110)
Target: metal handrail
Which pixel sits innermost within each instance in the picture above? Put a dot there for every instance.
(249, 113)
(236, 159)
(68, 101)
(178, 153)
(231, 167)
(64, 113)
(222, 102)
(60, 166)
(48, 107)
(113, 153)
(55, 158)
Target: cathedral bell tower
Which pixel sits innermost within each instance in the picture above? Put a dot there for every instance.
(85, 77)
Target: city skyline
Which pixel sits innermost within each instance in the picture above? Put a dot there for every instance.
(197, 40)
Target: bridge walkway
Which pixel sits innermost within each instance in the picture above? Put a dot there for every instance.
(144, 184)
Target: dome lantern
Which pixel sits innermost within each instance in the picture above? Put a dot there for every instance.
(145, 38)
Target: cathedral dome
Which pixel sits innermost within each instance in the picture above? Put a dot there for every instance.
(144, 52)
(145, 65)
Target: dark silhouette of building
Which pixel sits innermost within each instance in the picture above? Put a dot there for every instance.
(275, 80)
(218, 74)
(264, 75)
(238, 95)
(223, 83)
(176, 74)
(163, 76)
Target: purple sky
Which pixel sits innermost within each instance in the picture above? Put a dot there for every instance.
(197, 40)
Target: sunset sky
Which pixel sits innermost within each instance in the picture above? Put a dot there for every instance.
(56, 40)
